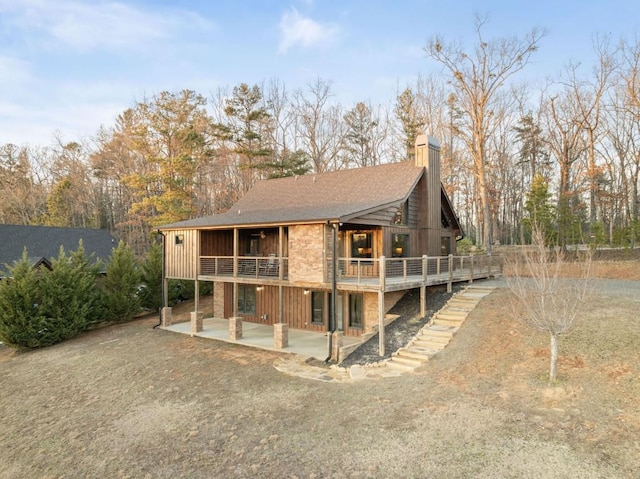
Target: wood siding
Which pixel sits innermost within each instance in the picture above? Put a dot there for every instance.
(297, 313)
(216, 243)
(181, 259)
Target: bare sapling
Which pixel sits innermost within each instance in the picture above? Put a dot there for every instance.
(547, 298)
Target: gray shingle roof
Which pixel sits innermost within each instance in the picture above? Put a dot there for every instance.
(337, 195)
(45, 242)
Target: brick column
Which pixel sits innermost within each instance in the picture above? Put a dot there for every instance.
(281, 335)
(218, 300)
(336, 344)
(196, 321)
(165, 315)
(235, 328)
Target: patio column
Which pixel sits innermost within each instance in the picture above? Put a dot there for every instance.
(235, 328)
(196, 322)
(281, 335)
(166, 316)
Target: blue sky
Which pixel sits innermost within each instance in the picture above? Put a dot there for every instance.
(69, 66)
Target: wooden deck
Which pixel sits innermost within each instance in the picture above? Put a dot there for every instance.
(379, 274)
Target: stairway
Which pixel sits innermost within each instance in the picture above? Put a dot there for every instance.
(437, 333)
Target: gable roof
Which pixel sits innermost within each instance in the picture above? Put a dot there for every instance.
(337, 195)
(43, 242)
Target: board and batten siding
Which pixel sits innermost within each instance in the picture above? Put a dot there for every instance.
(181, 254)
(297, 311)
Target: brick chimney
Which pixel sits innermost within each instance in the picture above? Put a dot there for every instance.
(428, 156)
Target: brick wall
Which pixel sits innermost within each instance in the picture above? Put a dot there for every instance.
(370, 312)
(218, 300)
(306, 243)
(371, 308)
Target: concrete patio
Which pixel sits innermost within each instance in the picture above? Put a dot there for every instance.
(304, 343)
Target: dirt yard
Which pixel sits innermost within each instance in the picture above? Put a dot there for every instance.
(129, 401)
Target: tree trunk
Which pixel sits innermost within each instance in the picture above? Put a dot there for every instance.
(553, 366)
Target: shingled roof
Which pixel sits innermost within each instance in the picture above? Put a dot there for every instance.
(338, 195)
(45, 241)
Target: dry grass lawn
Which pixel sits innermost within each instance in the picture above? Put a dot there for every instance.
(129, 401)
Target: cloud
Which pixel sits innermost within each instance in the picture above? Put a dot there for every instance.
(14, 71)
(88, 25)
(297, 30)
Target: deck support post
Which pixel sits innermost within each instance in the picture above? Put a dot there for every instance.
(425, 267)
(381, 323)
(381, 311)
(196, 295)
(450, 283)
(423, 301)
(336, 345)
(280, 304)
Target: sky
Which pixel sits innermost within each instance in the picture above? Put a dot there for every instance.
(68, 67)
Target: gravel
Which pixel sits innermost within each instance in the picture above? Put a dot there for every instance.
(398, 333)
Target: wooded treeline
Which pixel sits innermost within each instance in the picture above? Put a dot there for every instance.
(179, 155)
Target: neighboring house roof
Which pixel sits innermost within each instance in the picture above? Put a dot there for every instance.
(338, 195)
(43, 242)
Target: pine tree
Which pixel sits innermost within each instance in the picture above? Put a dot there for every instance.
(121, 285)
(67, 295)
(541, 213)
(151, 279)
(21, 318)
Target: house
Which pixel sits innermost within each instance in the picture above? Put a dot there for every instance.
(43, 243)
(323, 252)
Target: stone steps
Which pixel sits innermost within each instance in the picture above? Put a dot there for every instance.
(435, 335)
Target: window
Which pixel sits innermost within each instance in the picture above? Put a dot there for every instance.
(246, 299)
(402, 215)
(361, 244)
(399, 245)
(179, 239)
(445, 245)
(317, 307)
(355, 311)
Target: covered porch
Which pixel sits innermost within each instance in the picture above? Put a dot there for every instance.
(254, 335)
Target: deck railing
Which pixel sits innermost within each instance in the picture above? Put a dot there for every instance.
(458, 268)
(369, 271)
(259, 267)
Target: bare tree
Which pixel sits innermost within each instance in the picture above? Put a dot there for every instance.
(544, 297)
(588, 97)
(319, 126)
(565, 138)
(478, 76)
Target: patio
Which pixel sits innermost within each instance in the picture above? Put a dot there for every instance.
(304, 343)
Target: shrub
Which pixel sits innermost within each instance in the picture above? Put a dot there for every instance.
(42, 307)
(150, 292)
(120, 286)
(90, 270)
(20, 316)
(68, 294)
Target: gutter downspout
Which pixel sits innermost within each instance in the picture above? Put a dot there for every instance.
(162, 282)
(334, 289)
